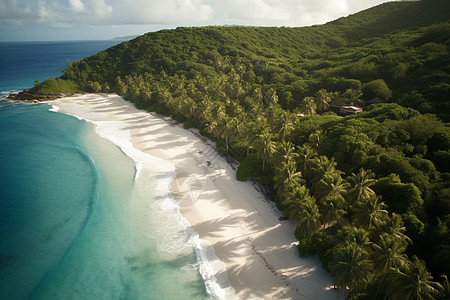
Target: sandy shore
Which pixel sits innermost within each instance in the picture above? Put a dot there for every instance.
(258, 250)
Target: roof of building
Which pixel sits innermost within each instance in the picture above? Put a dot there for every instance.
(350, 109)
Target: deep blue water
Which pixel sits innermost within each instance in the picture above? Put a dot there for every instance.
(21, 63)
(74, 224)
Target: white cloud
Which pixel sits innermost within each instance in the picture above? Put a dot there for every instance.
(98, 8)
(163, 12)
(16, 13)
(172, 13)
(248, 11)
(76, 5)
(52, 14)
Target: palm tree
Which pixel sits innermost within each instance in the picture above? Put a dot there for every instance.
(178, 104)
(163, 96)
(322, 100)
(211, 126)
(257, 95)
(285, 152)
(395, 228)
(309, 218)
(306, 156)
(361, 183)
(189, 107)
(350, 266)
(265, 147)
(387, 253)
(205, 106)
(219, 111)
(146, 93)
(226, 129)
(274, 112)
(122, 87)
(412, 281)
(259, 114)
(292, 202)
(352, 96)
(246, 135)
(286, 125)
(332, 211)
(350, 233)
(286, 176)
(445, 290)
(309, 105)
(331, 186)
(271, 97)
(323, 168)
(370, 213)
(315, 139)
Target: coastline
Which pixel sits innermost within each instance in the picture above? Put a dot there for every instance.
(257, 252)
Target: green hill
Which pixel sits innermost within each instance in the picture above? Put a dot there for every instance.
(403, 43)
(379, 179)
(389, 17)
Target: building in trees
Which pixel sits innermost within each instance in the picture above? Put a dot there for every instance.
(349, 110)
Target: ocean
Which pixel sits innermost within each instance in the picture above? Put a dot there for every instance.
(79, 218)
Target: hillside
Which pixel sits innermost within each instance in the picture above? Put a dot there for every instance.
(389, 17)
(386, 42)
(360, 186)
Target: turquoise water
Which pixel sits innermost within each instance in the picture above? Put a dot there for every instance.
(41, 209)
(74, 221)
(74, 224)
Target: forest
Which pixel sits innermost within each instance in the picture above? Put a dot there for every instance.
(370, 191)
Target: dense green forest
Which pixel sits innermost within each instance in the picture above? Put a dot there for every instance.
(370, 191)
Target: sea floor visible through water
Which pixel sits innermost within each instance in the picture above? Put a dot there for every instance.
(76, 223)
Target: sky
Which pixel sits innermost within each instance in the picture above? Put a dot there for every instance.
(48, 20)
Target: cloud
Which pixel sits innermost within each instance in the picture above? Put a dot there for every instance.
(76, 5)
(16, 13)
(163, 12)
(170, 13)
(99, 8)
(52, 14)
(251, 11)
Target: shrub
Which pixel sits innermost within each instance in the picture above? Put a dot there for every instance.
(58, 86)
(376, 88)
(319, 244)
(250, 166)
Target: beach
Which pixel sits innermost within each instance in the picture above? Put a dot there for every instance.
(253, 254)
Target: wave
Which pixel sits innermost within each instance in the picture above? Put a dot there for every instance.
(54, 108)
(122, 145)
(6, 93)
(208, 264)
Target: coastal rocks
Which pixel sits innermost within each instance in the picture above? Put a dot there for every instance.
(31, 96)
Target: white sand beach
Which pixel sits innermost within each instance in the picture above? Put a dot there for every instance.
(259, 254)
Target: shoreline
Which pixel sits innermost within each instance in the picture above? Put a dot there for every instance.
(257, 252)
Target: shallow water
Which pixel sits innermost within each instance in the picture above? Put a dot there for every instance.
(76, 225)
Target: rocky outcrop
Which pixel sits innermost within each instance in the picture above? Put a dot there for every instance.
(30, 95)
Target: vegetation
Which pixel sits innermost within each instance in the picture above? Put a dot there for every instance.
(57, 86)
(370, 192)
